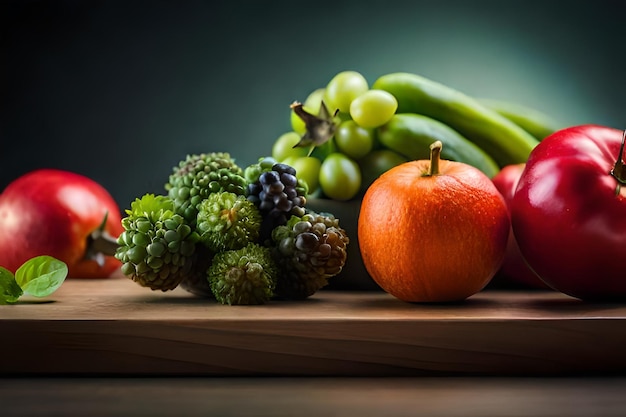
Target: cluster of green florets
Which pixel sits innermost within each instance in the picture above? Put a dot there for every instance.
(157, 246)
(240, 236)
(200, 175)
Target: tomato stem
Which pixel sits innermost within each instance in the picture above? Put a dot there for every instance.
(100, 243)
(435, 154)
(619, 172)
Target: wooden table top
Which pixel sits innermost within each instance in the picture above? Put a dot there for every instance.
(116, 327)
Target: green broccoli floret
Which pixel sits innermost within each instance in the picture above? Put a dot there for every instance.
(157, 246)
(243, 276)
(199, 175)
(228, 221)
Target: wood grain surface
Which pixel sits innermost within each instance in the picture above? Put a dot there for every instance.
(115, 327)
(315, 397)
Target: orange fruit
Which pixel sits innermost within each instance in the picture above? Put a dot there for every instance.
(433, 230)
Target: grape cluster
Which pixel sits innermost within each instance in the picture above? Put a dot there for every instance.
(278, 194)
(345, 161)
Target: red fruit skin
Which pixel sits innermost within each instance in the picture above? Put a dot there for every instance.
(569, 221)
(52, 212)
(514, 269)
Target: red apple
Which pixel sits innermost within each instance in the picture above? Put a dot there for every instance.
(61, 214)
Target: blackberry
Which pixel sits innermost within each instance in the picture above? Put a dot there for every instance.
(198, 176)
(277, 192)
(308, 251)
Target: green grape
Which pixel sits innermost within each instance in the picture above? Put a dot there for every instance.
(312, 105)
(325, 149)
(340, 177)
(343, 88)
(289, 160)
(343, 117)
(308, 169)
(284, 147)
(353, 140)
(314, 99)
(377, 162)
(373, 108)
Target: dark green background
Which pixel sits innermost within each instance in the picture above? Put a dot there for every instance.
(122, 90)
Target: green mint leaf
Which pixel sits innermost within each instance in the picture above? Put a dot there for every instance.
(10, 291)
(41, 275)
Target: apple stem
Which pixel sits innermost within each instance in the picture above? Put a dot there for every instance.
(619, 172)
(435, 154)
(100, 243)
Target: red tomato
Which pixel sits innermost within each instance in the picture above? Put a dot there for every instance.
(569, 212)
(514, 269)
(53, 212)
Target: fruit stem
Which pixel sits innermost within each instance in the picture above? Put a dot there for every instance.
(100, 243)
(435, 153)
(619, 172)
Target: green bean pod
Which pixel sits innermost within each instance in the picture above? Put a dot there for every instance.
(537, 123)
(503, 140)
(411, 135)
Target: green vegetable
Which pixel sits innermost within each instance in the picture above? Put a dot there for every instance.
(199, 175)
(412, 134)
(244, 276)
(537, 123)
(506, 142)
(157, 246)
(228, 221)
(39, 276)
(211, 234)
